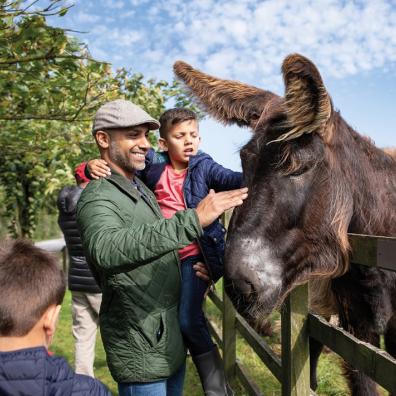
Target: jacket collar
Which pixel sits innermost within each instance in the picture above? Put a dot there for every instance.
(128, 188)
(123, 184)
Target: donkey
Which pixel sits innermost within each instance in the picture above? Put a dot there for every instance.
(312, 179)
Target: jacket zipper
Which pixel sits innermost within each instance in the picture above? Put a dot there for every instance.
(152, 202)
(211, 283)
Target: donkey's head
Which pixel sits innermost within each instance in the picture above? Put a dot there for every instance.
(293, 226)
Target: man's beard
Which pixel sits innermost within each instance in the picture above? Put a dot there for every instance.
(123, 161)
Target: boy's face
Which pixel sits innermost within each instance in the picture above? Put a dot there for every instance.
(181, 142)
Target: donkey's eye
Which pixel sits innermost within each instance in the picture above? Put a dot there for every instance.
(300, 171)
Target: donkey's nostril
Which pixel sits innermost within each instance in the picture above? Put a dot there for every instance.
(246, 287)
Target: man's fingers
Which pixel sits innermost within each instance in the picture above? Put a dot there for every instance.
(234, 193)
(201, 271)
(230, 199)
(199, 266)
(214, 204)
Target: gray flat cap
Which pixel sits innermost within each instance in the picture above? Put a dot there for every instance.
(121, 113)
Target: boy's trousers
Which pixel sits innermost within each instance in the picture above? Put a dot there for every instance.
(85, 313)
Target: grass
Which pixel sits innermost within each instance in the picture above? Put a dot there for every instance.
(330, 380)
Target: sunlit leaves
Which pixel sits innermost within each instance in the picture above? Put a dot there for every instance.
(50, 88)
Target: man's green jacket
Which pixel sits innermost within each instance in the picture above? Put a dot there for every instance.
(133, 252)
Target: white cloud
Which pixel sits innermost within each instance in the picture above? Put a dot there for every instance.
(244, 39)
(84, 17)
(113, 4)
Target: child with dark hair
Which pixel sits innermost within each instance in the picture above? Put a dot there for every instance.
(181, 176)
(32, 287)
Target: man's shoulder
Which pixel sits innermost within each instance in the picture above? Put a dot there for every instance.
(95, 192)
(96, 189)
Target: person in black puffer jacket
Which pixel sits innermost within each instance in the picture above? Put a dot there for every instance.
(86, 294)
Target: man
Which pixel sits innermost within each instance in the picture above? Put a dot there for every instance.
(86, 294)
(134, 252)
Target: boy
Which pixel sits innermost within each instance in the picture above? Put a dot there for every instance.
(32, 288)
(181, 176)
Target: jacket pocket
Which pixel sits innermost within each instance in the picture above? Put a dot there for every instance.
(150, 331)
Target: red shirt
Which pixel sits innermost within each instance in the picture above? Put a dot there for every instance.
(170, 198)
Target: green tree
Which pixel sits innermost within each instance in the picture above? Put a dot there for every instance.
(50, 88)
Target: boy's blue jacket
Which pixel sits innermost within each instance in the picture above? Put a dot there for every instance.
(32, 371)
(203, 174)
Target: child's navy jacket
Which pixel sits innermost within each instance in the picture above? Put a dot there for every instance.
(34, 372)
(203, 174)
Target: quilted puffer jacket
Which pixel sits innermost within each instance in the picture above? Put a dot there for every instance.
(133, 250)
(33, 372)
(80, 276)
(203, 174)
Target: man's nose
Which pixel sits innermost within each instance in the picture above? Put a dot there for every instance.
(144, 142)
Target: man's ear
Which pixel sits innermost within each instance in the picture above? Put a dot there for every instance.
(51, 316)
(102, 139)
(163, 145)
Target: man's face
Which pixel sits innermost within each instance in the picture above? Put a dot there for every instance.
(181, 142)
(128, 148)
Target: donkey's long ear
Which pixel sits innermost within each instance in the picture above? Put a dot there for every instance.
(226, 100)
(307, 103)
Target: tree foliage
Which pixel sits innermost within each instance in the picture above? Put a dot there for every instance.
(50, 88)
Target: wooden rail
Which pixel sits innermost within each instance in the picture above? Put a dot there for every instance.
(297, 325)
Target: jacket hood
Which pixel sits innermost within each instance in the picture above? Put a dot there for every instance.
(68, 198)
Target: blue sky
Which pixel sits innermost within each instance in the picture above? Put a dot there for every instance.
(353, 43)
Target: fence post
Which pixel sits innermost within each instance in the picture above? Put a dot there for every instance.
(229, 339)
(229, 325)
(295, 344)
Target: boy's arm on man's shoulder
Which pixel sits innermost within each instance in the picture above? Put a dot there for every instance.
(223, 179)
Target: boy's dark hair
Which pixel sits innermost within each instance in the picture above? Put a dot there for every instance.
(30, 281)
(174, 116)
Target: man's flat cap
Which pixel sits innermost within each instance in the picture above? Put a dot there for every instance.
(122, 113)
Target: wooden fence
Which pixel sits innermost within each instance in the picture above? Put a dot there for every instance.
(297, 325)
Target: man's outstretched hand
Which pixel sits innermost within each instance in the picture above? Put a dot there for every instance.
(214, 204)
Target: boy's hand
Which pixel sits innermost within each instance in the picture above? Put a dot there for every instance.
(214, 204)
(98, 168)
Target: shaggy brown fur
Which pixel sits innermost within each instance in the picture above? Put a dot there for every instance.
(391, 151)
(312, 179)
(226, 100)
(308, 106)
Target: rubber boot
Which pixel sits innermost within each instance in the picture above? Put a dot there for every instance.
(211, 372)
